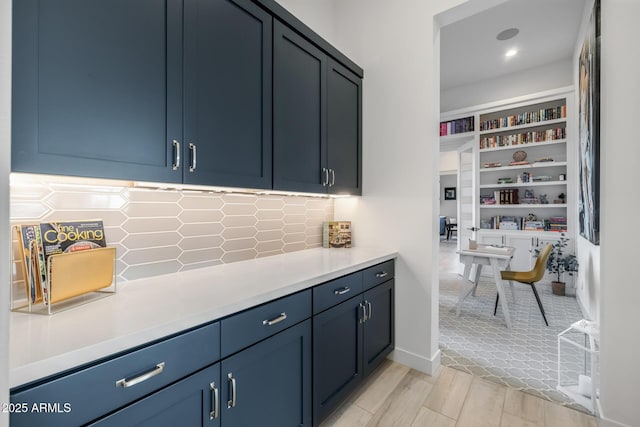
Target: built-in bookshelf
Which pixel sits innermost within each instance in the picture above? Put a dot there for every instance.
(522, 177)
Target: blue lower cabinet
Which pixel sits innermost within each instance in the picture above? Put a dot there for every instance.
(191, 402)
(337, 355)
(269, 383)
(379, 337)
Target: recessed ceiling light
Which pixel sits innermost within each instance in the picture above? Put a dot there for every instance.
(511, 52)
(507, 34)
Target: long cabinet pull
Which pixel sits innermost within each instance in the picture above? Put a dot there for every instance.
(232, 402)
(215, 401)
(369, 311)
(342, 291)
(325, 180)
(194, 155)
(176, 154)
(333, 178)
(137, 380)
(382, 274)
(363, 313)
(278, 319)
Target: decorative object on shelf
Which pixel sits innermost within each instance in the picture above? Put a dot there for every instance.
(560, 262)
(543, 199)
(544, 160)
(505, 180)
(578, 361)
(561, 198)
(336, 234)
(450, 193)
(589, 130)
(519, 155)
(561, 177)
(492, 165)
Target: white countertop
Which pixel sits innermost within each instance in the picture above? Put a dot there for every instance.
(145, 310)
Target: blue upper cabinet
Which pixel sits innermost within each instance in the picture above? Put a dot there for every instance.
(148, 90)
(344, 130)
(299, 117)
(90, 82)
(227, 93)
(317, 127)
(208, 92)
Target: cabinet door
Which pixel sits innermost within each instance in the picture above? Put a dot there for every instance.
(190, 402)
(523, 256)
(90, 85)
(337, 355)
(271, 382)
(344, 130)
(299, 115)
(227, 93)
(379, 337)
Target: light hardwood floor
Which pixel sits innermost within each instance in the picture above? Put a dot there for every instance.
(396, 395)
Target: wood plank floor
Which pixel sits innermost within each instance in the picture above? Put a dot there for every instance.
(396, 395)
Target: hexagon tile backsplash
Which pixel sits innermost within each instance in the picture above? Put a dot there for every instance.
(164, 231)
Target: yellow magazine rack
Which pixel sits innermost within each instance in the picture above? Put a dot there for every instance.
(74, 278)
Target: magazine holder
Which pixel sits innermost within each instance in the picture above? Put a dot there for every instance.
(75, 278)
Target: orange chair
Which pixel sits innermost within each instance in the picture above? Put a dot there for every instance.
(529, 277)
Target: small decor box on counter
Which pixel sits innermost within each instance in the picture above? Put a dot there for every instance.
(336, 234)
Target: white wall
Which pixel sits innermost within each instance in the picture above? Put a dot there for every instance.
(5, 159)
(448, 207)
(539, 79)
(316, 14)
(448, 162)
(394, 43)
(619, 206)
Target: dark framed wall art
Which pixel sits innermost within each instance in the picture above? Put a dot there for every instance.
(450, 193)
(589, 130)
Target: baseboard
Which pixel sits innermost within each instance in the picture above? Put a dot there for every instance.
(416, 361)
(604, 422)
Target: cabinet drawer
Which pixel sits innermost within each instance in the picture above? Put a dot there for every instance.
(97, 390)
(334, 292)
(242, 330)
(377, 274)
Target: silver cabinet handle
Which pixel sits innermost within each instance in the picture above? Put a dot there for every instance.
(341, 291)
(325, 181)
(382, 274)
(278, 319)
(176, 154)
(232, 403)
(363, 310)
(194, 154)
(369, 307)
(215, 401)
(152, 373)
(333, 178)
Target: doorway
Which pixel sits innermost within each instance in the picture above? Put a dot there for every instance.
(477, 342)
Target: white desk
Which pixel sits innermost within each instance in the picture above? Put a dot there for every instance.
(498, 258)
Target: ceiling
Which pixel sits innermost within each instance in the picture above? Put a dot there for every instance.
(470, 51)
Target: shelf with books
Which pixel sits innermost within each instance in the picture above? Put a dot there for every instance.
(524, 126)
(458, 126)
(524, 145)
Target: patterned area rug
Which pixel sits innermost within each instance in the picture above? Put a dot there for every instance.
(524, 357)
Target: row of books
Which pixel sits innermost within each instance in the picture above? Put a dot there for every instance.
(38, 242)
(504, 222)
(494, 141)
(453, 127)
(524, 118)
(501, 197)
